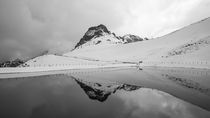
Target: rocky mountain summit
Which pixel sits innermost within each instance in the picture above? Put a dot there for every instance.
(94, 33)
(101, 35)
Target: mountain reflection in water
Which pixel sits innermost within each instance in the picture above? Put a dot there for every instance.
(122, 93)
(188, 83)
(101, 91)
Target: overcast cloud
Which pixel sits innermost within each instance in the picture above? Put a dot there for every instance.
(28, 27)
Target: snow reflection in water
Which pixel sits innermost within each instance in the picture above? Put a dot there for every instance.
(114, 93)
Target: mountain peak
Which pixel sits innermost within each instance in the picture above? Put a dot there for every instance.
(95, 31)
(99, 28)
(101, 35)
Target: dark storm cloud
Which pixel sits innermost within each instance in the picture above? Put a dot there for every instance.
(28, 27)
(20, 35)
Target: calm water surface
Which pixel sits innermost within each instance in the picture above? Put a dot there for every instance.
(108, 93)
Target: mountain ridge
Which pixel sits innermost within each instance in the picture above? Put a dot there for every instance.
(100, 34)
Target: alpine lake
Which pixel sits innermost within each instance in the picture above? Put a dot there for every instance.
(127, 92)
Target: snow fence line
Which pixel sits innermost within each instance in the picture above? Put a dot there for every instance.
(194, 73)
(179, 63)
(54, 68)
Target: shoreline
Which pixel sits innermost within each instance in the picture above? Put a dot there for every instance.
(14, 72)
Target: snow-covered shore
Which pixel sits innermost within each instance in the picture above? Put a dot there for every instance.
(199, 64)
(47, 70)
(59, 68)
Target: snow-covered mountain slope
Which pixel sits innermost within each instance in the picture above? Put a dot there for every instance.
(196, 47)
(58, 61)
(159, 49)
(98, 35)
(55, 62)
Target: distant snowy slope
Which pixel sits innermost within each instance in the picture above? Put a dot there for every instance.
(54, 60)
(196, 34)
(129, 38)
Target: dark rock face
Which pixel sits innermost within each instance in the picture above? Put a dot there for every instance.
(96, 31)
(14, 63)
(100, 92)
(131, 38)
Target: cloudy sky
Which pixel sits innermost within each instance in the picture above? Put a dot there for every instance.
(28, 27)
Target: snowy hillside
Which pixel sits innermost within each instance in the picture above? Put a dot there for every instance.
(59, 61)
(190, 43)
(51, 62)
(190, 48)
